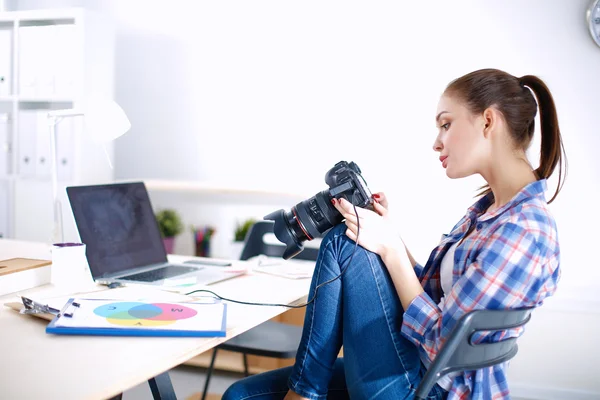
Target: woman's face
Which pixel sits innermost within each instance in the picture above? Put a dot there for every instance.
(460, 139)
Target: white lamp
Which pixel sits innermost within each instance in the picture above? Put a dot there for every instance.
(104, 121)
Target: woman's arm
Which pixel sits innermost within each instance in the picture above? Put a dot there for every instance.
(401, 265)
(413, 263)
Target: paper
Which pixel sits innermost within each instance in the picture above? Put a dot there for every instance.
(155, 315)
(136, 293)
(180, 282)
(291, 269)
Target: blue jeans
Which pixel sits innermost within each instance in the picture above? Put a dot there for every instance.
(361, 310)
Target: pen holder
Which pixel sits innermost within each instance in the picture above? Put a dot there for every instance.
(69, 265)
(202, 249)
(202, 240)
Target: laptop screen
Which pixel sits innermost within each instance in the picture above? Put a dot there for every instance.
(117, 224)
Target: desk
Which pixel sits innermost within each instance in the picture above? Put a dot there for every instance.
(36, 365)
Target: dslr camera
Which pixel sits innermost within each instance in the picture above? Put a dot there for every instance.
(313, 217)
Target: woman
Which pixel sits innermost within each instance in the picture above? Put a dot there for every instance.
(393, 315)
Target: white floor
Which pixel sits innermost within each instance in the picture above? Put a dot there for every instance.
(187, 381)
(190, 380)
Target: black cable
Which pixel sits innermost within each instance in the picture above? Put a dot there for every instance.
(316, 288)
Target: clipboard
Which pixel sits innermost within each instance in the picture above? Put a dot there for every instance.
(104, 317)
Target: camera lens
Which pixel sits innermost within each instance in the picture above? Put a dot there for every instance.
(313, 217)
(286, 230)
(305, 221)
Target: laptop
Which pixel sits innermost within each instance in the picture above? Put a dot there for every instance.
(123, 243)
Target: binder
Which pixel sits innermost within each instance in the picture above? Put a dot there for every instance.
(5, 62)
(66, 60)
(29, 60)
(26, 151)
(43, 160)
(4, 211)
(5, 145)
(139, 318)
(65, 149)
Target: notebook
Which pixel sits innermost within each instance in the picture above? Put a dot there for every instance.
(140, 318)
(123, 243)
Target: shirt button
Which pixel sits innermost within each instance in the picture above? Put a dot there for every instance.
(479, 226)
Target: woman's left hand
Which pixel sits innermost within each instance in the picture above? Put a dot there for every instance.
(377, 231)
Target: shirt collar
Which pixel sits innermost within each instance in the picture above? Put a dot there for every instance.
(533, 189)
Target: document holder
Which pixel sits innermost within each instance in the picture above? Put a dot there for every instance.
(139, 318)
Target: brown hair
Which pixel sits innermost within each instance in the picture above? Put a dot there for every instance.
(513, 97)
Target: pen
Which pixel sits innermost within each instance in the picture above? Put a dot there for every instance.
(67, 244)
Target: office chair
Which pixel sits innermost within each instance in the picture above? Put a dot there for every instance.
(459, 353)
(270, 339)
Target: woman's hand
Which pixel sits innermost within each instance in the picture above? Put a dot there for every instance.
(381, 198)
(377, 232)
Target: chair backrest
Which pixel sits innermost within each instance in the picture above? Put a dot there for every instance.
(460, 353)
(254, 244)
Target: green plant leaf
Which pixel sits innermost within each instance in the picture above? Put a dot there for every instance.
(169, 222)
(241, 229)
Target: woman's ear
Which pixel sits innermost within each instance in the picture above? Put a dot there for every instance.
(490, 120)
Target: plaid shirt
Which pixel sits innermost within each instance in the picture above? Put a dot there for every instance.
(510, 260)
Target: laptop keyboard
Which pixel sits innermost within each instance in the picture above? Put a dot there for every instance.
(159, 274)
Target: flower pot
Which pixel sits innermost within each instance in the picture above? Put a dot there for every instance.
(236, 250)
(169, 243)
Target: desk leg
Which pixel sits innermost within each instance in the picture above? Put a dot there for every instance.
(161, 387)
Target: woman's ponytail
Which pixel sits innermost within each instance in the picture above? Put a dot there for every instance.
(552, 150)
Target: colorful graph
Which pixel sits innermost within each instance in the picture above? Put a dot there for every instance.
(143, 314)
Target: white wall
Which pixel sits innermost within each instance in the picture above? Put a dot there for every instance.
(276, 92)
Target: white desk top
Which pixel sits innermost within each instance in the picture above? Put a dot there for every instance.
(37, 365)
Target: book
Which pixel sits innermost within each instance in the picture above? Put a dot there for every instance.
(18, 274)
(85, 316)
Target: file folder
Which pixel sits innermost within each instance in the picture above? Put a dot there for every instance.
(136, 318)
(6, 56)
(26, 151)
(5, 144)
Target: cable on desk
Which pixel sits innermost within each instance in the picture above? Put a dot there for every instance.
(316, 288)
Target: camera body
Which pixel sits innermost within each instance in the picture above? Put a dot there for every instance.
(313, 217)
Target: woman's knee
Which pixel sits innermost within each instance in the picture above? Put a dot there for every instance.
(337, 230)
(335, 233)
(236, 391)
(340, 246)
(271, 385)
(243, 389)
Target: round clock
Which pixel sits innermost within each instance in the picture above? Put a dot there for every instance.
(593, 20)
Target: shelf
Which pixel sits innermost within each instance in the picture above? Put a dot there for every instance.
(54, 58)
(227, 188)
(45, 16)
(36, 100)
(44, 99)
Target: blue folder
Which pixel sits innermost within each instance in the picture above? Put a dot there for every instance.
(73, 306)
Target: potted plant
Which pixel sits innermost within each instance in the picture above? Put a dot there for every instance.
(239, 234)
(169, 225)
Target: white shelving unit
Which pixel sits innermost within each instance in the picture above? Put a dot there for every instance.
(49, 59)
(222, 188)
